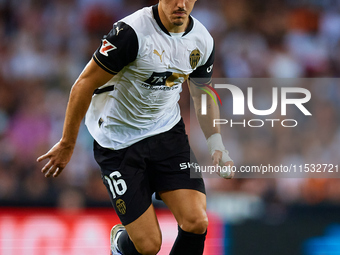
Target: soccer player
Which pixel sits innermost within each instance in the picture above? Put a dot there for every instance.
(129, 92)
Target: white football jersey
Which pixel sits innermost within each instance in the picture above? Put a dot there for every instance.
(150, 64)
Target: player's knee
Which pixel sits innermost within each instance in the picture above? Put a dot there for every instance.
(149, 246)
(196, 224)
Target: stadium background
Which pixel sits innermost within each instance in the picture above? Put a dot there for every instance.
(45, 44)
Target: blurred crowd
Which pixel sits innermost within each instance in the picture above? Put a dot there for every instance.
(46, 43)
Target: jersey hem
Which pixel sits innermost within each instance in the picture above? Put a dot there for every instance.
(131, 142)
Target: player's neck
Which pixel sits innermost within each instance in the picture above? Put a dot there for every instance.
(172, 28)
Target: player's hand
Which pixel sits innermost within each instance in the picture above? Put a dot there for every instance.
(222, 159)
(59, 155)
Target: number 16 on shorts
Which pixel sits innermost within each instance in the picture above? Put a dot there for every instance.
(117, 186)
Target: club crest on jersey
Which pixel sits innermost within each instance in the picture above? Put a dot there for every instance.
(106, 47)
(195, 57)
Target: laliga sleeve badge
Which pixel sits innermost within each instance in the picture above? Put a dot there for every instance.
(106, 47)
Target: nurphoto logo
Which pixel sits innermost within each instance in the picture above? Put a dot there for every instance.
(287, 96)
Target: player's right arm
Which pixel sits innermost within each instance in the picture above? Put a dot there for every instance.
(92, 77)
(118, 48)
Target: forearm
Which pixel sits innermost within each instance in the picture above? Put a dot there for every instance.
(79, 101)
(60, 154)
(212, 112)
(80, 98)
(220, 155)
(207, 121)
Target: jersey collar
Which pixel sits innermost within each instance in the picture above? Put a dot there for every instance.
(160, 24)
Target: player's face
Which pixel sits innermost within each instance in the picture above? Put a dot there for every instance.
(176, 12)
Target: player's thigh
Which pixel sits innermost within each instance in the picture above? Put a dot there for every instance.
(127, 183)
(145, 232)
(189, 208)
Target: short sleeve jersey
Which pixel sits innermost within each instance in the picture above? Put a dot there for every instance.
(150, 64)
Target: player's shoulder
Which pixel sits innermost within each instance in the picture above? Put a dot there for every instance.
(138, 19)
(200, 28)
(201, 34)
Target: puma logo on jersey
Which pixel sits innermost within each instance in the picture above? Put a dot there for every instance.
(118, 30)
(159, 55)
(106, 47)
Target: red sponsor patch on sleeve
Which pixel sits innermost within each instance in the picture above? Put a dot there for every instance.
(106, 47)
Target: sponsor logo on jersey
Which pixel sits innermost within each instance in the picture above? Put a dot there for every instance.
(106, 47)
(168, 79)
(158, 79)
(159, 55)
(121, 206)
(195, 57)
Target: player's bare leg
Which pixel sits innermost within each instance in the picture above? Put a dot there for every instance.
(189, 209)
(142, 236)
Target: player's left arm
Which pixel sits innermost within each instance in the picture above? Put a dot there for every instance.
(200, 79)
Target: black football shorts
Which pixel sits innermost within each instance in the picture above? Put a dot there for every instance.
(158, 163)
